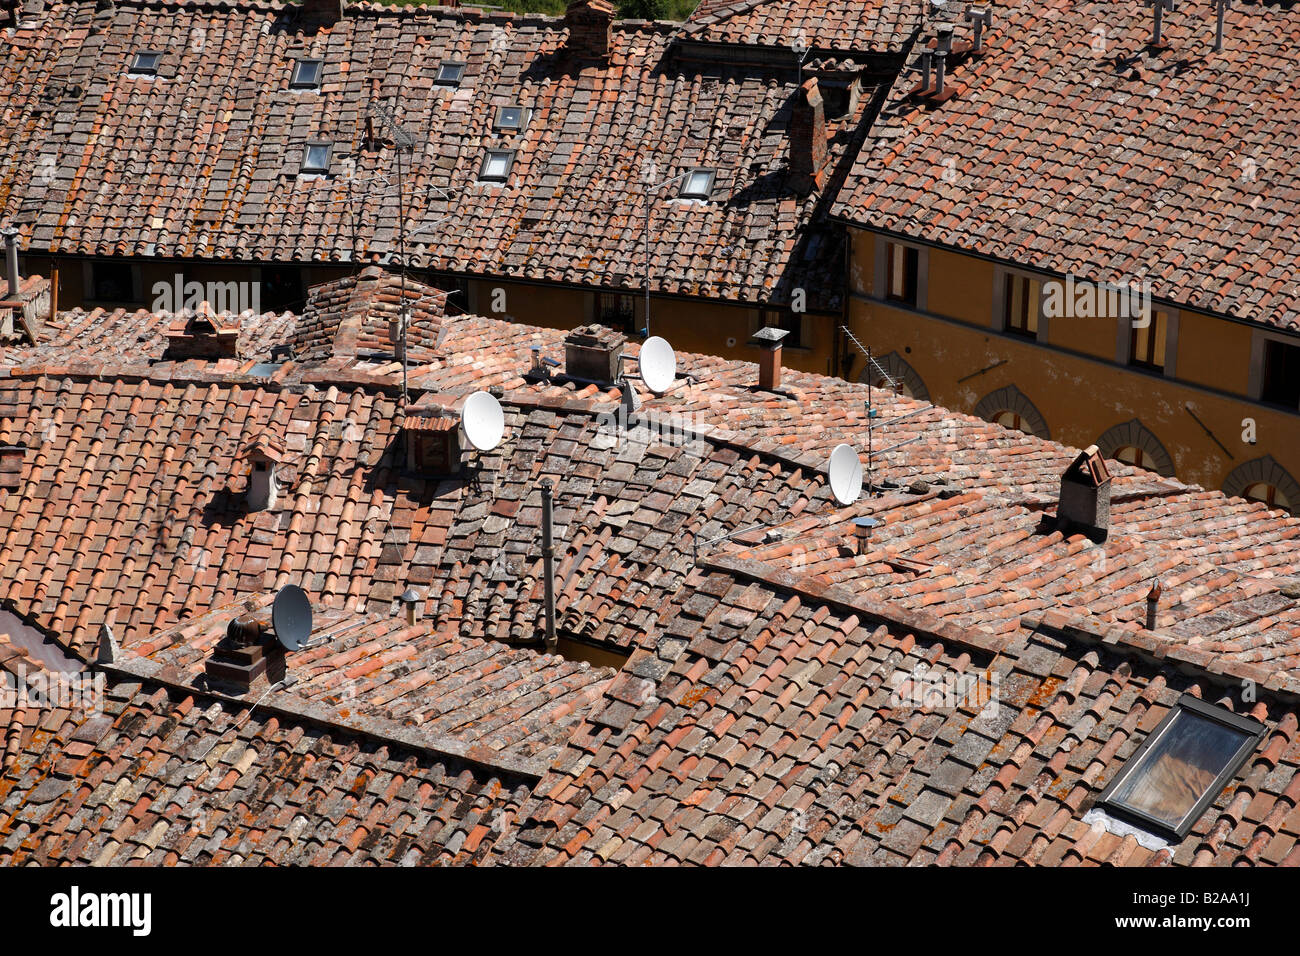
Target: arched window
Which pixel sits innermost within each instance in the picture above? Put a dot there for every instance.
(892, 371)
(1011, 408)
(1265, 493)
(1135, 444)
(1264, 480)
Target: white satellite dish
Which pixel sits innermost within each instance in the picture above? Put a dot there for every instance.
(291, 617)
(846, 474)
(658, 364)
(483, 420)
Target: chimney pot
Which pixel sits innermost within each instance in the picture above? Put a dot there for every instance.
(411, 604)
(1153, 605)
(862, 531)
(808, 150)
(1085, 496)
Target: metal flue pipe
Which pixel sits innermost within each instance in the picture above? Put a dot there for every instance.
(548, 562)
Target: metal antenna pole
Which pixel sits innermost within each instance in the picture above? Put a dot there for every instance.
(647, 259)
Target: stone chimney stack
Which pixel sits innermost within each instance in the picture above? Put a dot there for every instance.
(591, 28)
(808, 150)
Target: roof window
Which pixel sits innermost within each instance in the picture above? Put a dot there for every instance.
(698, 184)
(1182, 767)
(316, 159)
(307, 75)
(510, 118)
(145, 63)
(449, 74)
(496, 166)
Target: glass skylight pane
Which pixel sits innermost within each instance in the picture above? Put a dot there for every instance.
(145, 63)
(509, 117)
(496, 166)
(450, 72)
(698, 184)
(306, 73)
(317, 159)
(1178, 769)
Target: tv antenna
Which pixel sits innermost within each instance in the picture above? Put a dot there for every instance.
(405, 143)
(483, 421)
(874, 420)
(291, 618)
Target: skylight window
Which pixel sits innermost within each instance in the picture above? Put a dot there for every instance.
(316, 159)
(1182, 767)
(496, 166)
(698, 184)
(510, 117)
(145, 63)
(307, 75)
(449, 74)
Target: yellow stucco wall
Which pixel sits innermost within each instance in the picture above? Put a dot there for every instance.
(1079, 396)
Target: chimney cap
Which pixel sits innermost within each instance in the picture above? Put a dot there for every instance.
(409, 596)
(769, 336)
(1088, 468)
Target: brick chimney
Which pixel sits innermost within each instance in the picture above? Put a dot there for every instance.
(593, 353)
(1085, 496)
(326, 10)
(769, 360)
(203, 334)
(248, 658)
(808, 151)
(591, 28)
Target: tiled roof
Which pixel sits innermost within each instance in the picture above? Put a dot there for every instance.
(756, 718)
(165, 777)
(777, 730)
(487, 698)
(119, 338)
(1227, 567)
(1079, 150)
(89, 172)
(843, 26)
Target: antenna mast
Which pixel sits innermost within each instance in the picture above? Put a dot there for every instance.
(405, 143)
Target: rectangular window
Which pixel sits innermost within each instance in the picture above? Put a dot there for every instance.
(145, 64)
(617, 310)
(306, 75)
(449, 74)
(510, 118)
(1281, 374)
(1023, 300)
(496, 166)
(112, 282)
(1182, 767)
(901, 264)
(1148, 344)
(791, 322)
(316, 158)
(698, 184)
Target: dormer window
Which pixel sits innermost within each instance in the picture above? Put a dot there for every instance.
(145, 63)
(307, 75)
(698, 184)
(316, 159)
(1182, 767)
(449, 74)
(510, 118)
(496, 166)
